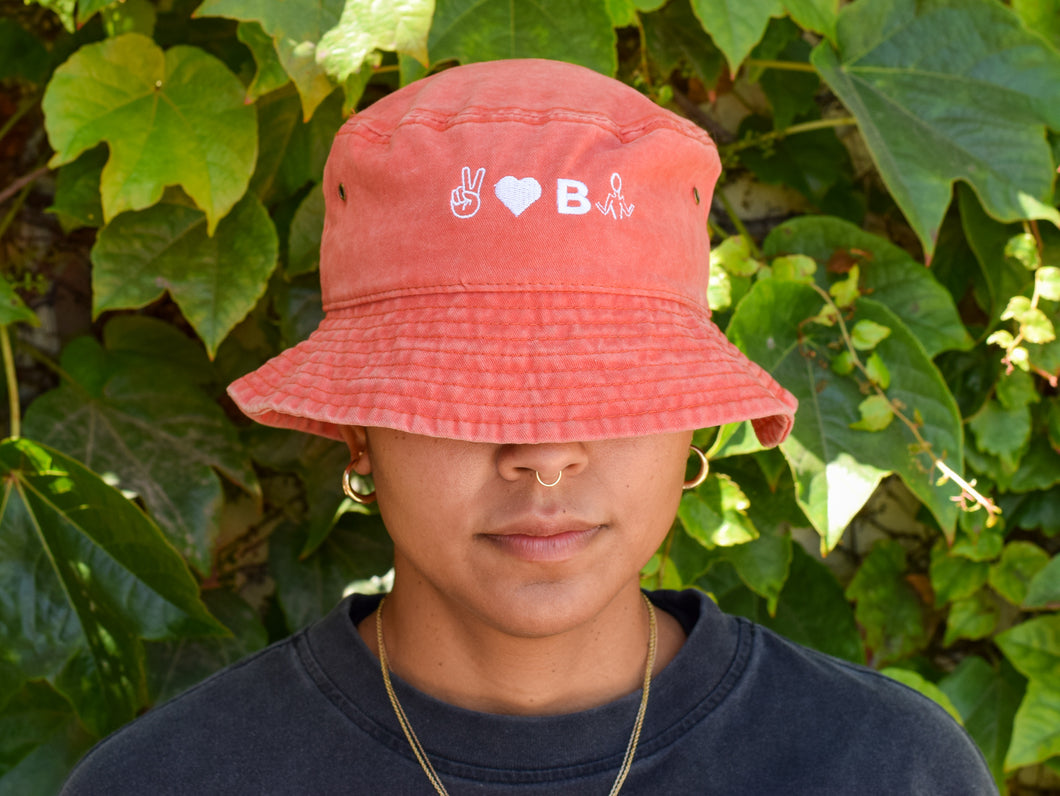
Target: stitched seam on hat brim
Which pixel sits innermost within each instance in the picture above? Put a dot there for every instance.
(442, 121)
(751, 381)
(530, 288)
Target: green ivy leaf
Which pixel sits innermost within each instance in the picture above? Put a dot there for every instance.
(811, 609)
(734, 255)
(674, 38)
(303, 241)
(876, 414)
(763, 564)
(270, 74)
(98, 575)
(987, 699)
(1033, 647)
(1041, 16)
(918, 683)
(972, 617)
(175, 666)
(214, 280)
(578, 31)
(793, 268)
(736, 27)
(1016, 390)
(307, 589)
(1024, 249)
(124, 16)
(1044, 588)
(64, 10)
(154, 431)
(954, 577)
(77, 201)
(715, 513)
(22, 56)
(888, 274)
(886, 606)
(173, 118)
(846, 291)
(1002, 432)
(366, 25)
(1012, 576)
(295, 28)
(12, 308)
(1047, 283)
(877, 371)
(837, 468)
(866, 335)
(1036, 730)
(40, 740)
(914, 96)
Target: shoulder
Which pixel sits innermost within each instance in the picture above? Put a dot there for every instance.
(231, 732)
(826, 722)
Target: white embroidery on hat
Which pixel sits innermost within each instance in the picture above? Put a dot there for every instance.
(464, 201)
(608, 207)
(517, 195)
(572, 197)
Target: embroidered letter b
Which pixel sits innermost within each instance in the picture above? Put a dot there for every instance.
(572, 197)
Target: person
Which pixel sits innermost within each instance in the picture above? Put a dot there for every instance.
(516, 348)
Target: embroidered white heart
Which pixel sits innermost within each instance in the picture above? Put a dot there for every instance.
(517, 195)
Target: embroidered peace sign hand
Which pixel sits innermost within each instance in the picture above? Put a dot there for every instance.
(464, 201)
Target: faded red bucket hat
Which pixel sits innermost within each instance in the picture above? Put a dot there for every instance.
(517, 252)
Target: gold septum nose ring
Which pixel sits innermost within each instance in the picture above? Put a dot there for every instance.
(538, 476)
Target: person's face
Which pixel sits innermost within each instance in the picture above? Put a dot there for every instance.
(473, 527)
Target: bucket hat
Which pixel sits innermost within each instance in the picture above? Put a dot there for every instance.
(517, 252)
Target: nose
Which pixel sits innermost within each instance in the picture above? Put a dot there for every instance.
(548, 461)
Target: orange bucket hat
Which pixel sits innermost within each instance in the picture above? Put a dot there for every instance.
(517, 252)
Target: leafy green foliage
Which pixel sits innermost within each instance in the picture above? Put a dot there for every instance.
(161, 128)
(914, 100)
(910, 300)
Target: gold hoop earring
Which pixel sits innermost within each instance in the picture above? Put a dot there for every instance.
(704, 468)
(348, 487)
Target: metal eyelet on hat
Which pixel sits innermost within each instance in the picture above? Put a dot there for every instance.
(695, 194)
(342, 192)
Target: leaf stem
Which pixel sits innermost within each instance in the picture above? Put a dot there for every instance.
(730, 211)
(22, 182)
(12, 382)
(795, 129)
(968, 489)
(789, 66)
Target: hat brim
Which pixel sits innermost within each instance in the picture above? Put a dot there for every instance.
(517, 367)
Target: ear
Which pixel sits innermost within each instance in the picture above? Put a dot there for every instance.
(356, 438)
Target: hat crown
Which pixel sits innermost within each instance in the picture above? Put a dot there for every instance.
(522, 175)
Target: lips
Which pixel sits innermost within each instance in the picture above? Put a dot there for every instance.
(544, 541)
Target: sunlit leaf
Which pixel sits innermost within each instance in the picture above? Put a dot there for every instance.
(736, 27)
(162, 129)
(1036, 730)
(270, 74)
(947, 90)
(366, 25)
(876, 414)
(837, 468)
(887, 274)
(97, 575)
(866, 334)
(296, 28)
(715, 513)
(917, 682)
(578, 31)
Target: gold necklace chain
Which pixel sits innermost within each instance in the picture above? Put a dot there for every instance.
(421, 754)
